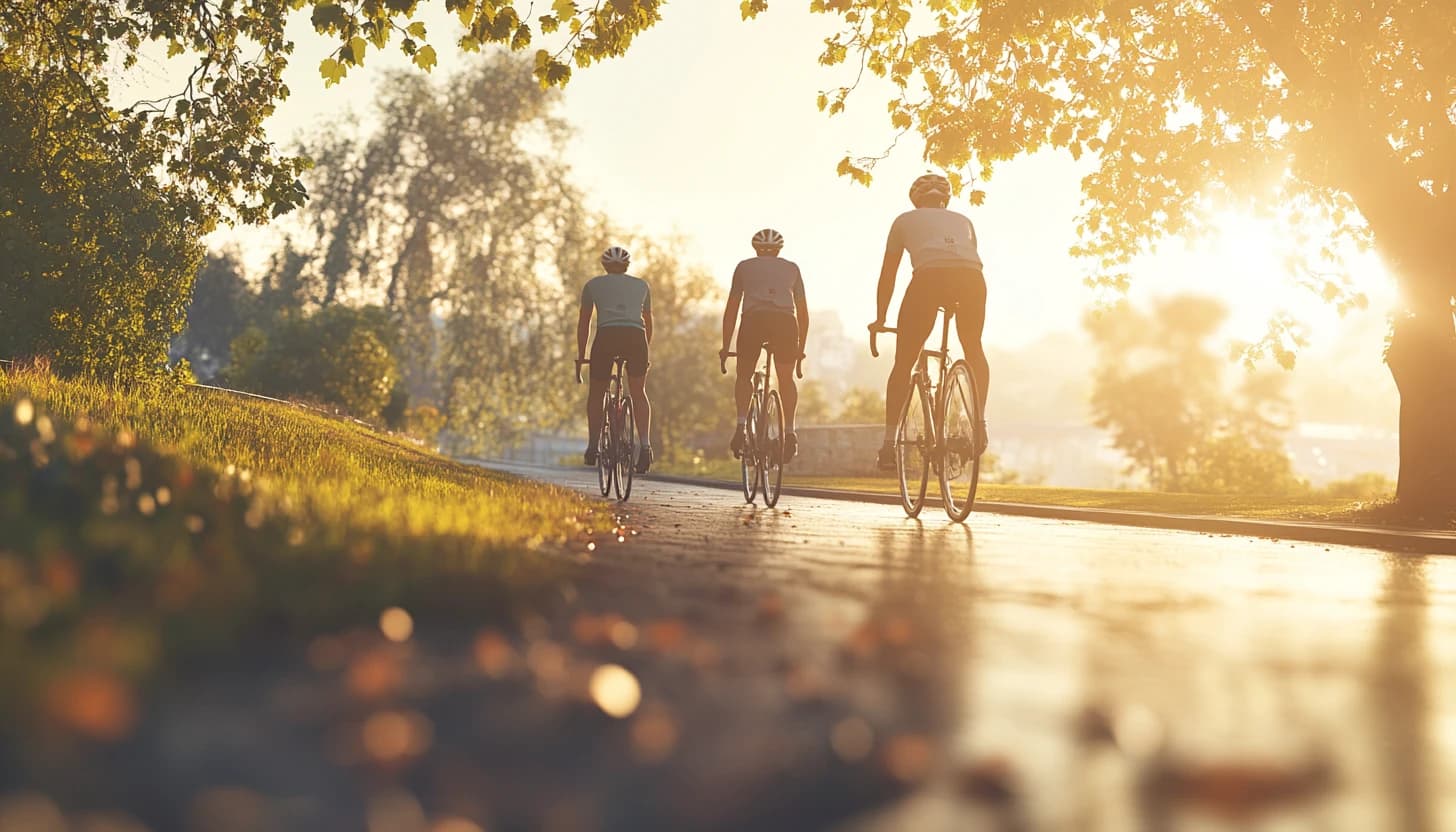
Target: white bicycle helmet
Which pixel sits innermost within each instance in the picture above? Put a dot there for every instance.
(616, 256)
(768, 239)
(930, 189)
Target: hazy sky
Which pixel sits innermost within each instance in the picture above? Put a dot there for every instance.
(707, 128)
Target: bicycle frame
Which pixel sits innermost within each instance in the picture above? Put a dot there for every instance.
(616, 409)
(758, 458)
(920, 376)
(947, 452)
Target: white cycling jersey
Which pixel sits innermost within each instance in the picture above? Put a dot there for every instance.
(935, 238)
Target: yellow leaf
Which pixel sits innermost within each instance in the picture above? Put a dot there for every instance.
(425, 58)
(357, 47)
(417, 29)
(332, 71)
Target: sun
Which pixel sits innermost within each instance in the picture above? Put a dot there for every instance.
(1248, 262)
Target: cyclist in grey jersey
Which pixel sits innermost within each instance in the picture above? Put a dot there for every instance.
(770, 290)
(947, 273)
(623, 306)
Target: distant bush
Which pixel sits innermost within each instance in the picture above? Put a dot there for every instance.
(1231, 464)
(1366, 486)
(338, 356)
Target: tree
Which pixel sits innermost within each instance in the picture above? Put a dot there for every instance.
(453, 213)
(1159, 389)
(861, 406)
(337, 355)
(1337, 119)
(222, 306)
(97, 263)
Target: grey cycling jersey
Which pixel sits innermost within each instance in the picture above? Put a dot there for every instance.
(770, 284)
(620, 299)
(935, 237)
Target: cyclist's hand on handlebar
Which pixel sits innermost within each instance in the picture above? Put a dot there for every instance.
(723, 360)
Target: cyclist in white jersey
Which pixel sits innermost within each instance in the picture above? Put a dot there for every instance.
(623, 305)
(947, 273)
(770, 290)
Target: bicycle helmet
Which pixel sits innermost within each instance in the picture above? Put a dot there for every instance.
(768, 240)
(930, 190)
(616, 256)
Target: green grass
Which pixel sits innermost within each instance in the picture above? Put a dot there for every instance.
(168, 526)
(1312, 506)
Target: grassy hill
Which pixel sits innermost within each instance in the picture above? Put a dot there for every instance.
(140, 530)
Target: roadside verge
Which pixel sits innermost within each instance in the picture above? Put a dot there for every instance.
(1415, 541)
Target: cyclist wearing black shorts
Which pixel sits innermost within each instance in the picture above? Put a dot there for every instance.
(623, 306)
(947, 273)
(770, 290)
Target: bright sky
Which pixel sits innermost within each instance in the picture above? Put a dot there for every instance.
(708, 128)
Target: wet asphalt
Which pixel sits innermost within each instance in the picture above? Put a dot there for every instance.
(1044, 674)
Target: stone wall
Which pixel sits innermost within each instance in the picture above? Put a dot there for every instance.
(838, 450)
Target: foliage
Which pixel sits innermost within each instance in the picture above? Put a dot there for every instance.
(222, 306)
(861, 406)
(337, 355)
(1306, 111)
(813, 403)
(1159, 389)
(453, 212)
(165, 525)
(97, 260)
(1367, 486)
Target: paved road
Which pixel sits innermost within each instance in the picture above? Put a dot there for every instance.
(1078, 676)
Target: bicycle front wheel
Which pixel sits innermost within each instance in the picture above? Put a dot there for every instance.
(749, 457)
(914, 445)
(960, 420)
(606, 464)
(771, 458)
(626, 448)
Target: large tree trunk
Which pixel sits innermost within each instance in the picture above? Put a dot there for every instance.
(1422, 359)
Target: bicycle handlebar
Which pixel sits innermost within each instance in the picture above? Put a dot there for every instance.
(874, 332)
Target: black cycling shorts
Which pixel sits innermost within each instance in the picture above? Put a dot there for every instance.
(777, 329)
(961, 289)
(614, 342)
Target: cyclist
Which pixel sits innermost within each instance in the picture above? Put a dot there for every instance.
(770, 290)
(947, 272)
(623, 305)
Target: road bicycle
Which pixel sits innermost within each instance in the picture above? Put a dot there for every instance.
(616, 443)
(940, 427)
(763, 448)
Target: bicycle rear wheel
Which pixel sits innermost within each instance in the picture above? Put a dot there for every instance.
(626, 448)
(771, 458)
(749, 458)
(960, 419)
(914, 445)
(606, 464)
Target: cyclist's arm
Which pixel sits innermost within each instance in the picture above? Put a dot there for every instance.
(894, 250)
(583, 327)
(801, 308)
(730, 316)
(647, 323)
(886, 291)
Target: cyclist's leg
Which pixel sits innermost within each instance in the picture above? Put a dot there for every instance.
(970, 321)
(916, 319)
(600, 374)
(784, 340)
(637, 355)
(749, 347)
